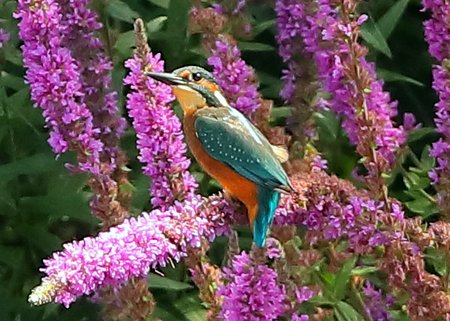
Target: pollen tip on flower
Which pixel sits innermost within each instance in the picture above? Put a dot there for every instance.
(43, 293)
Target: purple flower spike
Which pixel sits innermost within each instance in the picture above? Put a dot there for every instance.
(437, 34)
(129, 250)
(69, 76)
(65, 69)
(159, 136)
(235, 77)
(95, 69)
(291, 24)
(367, 111)
(251, 292)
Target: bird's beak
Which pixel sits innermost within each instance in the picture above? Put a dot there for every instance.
(167, 78)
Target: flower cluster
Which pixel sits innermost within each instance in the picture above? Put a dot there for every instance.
(130, 249)
(290, 26)
(66, 69)
(158, 130)
(334, 210)
(357, 95)
(251, 291)
(376, 304)
(234, 76)
(55, 81)
(95, 72)
(69, 76)
(70, 79)
(404, 264)
(437, 34)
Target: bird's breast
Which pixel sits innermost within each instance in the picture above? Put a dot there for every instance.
(234, 183)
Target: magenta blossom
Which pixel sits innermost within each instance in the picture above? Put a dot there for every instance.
(235, 77)
(437, 34)
(366, 109)
(130, 250)
(159, 135)
(63, 85)
(251, 292)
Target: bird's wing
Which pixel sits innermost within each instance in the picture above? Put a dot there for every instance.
(230, 138)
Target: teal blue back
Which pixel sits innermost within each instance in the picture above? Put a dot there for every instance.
(267, 204)
(229, 137)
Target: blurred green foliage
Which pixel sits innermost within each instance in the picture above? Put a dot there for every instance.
(42, 206)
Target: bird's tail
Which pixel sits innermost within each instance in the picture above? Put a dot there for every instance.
(267, 204)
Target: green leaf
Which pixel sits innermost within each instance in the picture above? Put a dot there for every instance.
(161, 3)
(13, 55)
(342, 278)
(64, 198)
(390, 19)
(394, 76)
(422, 206)
(345, 312)
(399, 316)
(120, 10)
(426, 160)
(438, 259)
(158, 282)
(270, 85)
(20, 102)
(156, 24)
(11, 81)
(254, 46)
(321, 300)
(373, 36)
(414, 193)
(191, 308)
(263, 26)
(124, 42)
(328, 124)
(280, 112)
(38, 163)
(364, 270)
(414, 181)
(420, 133)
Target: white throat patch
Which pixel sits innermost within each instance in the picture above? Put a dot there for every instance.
(223, 101)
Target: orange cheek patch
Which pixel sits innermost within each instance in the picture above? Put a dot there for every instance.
(212, 87)
(184, 74)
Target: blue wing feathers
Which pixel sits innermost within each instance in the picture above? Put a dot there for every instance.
(230, 142)
(231, 139)
(267, 204)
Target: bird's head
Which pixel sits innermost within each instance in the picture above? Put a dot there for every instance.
(193, 86)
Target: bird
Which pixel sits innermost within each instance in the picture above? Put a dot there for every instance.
(229, 147)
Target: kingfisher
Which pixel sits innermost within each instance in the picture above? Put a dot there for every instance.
(229, 147)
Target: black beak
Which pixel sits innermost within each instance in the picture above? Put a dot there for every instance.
(167, 78)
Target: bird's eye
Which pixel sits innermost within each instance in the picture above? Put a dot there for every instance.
(196, 76)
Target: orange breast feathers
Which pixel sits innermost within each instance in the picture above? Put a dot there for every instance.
(235, 184)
